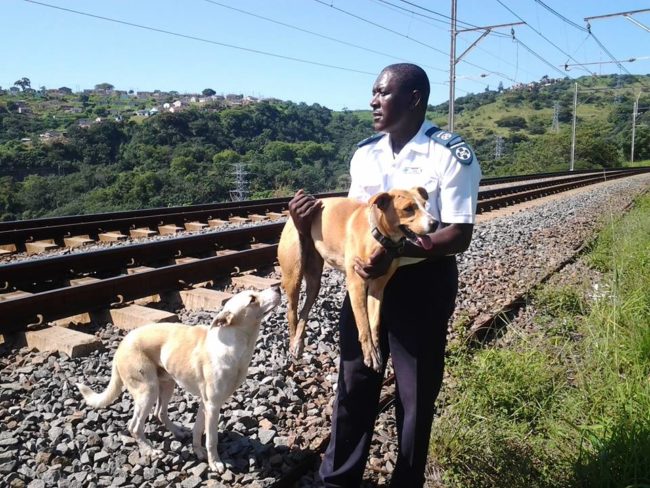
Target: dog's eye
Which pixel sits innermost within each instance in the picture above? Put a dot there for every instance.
(409, 209)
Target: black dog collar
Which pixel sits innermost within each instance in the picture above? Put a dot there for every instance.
(395, 249)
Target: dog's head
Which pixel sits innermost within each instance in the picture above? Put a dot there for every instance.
(247, 308)
(403, 213)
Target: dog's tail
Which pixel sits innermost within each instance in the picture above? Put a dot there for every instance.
(105, 398)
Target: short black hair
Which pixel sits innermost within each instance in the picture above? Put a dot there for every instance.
(411, 77)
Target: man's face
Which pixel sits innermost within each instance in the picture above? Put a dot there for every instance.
(390, 103)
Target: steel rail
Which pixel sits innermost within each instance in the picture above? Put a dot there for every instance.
(222, 206)
(44, 273)
(28, 273)
(19, 313)
(93, 228)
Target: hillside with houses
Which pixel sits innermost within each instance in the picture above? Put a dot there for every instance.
(101, 149)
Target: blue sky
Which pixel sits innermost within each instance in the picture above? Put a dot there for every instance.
(56, 48)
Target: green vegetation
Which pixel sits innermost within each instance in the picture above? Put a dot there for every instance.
(566, 403)
(103, 149)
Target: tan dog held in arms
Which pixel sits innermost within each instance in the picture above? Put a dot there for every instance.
(209, 362)
(342, 230)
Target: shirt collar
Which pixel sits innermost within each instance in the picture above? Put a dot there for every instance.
(419, 143)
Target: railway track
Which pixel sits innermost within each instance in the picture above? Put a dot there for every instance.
(46, 278)
(49, 233)
(37, 291)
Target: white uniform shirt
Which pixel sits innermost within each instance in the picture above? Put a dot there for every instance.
(452, 186)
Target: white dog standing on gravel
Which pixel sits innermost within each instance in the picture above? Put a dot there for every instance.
(209, 362)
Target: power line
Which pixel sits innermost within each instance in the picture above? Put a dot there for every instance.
(538, 32)
(358, 17)
(195, 38)
(505, 77)
(558, 14)
(446, 16)
(402, 10)
(290, 26)
(618, 63)
(535, 54)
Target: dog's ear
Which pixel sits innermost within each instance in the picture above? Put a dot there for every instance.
(380, 199)
(222, 319)
(422, 192)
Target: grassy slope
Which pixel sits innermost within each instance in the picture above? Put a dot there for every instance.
(568, 403)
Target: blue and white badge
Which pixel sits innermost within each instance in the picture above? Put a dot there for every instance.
(463, 153)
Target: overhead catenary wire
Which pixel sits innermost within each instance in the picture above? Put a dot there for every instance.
(405, 11)
(558, 14)
(201, 39)
(323, 36)
(362, 19)
(538, 56)
(379, 26)
(448, 18)
(541, 34)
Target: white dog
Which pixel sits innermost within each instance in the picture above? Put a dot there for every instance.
(209, 362)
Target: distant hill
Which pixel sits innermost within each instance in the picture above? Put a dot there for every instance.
(103, 149)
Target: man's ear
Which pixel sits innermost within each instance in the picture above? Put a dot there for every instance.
(381, 199)
(222, 319)
(416, 98)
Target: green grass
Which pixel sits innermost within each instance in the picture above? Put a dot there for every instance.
(568, 403)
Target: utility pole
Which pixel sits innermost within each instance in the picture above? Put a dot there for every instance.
(573, 129)
(556, 117)
(452, 67)
(634, 116)
(453, 60)
(240, 192)
(498, 149)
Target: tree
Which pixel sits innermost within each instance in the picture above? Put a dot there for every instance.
(66, 90)
(512, 121)
(23, 83)
(208, 92)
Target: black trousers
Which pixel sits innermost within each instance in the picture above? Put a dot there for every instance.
(418, 302)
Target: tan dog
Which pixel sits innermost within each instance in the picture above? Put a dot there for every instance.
(341, 231)
(209, 362)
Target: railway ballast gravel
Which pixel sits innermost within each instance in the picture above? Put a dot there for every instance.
(49, 437)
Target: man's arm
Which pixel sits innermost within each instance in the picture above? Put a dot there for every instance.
(452, 239)
(302, 209)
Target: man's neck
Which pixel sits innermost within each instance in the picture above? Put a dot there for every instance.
(400, 137)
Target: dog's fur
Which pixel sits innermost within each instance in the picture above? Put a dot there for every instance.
(340, 232)
(209, 362)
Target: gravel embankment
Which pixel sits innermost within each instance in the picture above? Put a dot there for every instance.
(49, 437)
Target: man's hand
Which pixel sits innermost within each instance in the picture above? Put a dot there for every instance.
(377, 265)
(302, 209)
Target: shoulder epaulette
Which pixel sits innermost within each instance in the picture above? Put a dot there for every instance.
(372, 138)
(459, 148)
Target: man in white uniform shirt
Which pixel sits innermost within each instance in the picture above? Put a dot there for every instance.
(419, 299)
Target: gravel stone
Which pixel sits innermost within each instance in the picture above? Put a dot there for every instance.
(283, 408)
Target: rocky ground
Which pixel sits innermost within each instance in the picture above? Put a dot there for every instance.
(49, 437)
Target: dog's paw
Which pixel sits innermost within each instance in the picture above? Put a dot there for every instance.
(200, 452)
(373, 359)
(151, 453)
(296, 348)
(217, 466)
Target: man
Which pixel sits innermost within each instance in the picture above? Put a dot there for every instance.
(408, 151)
